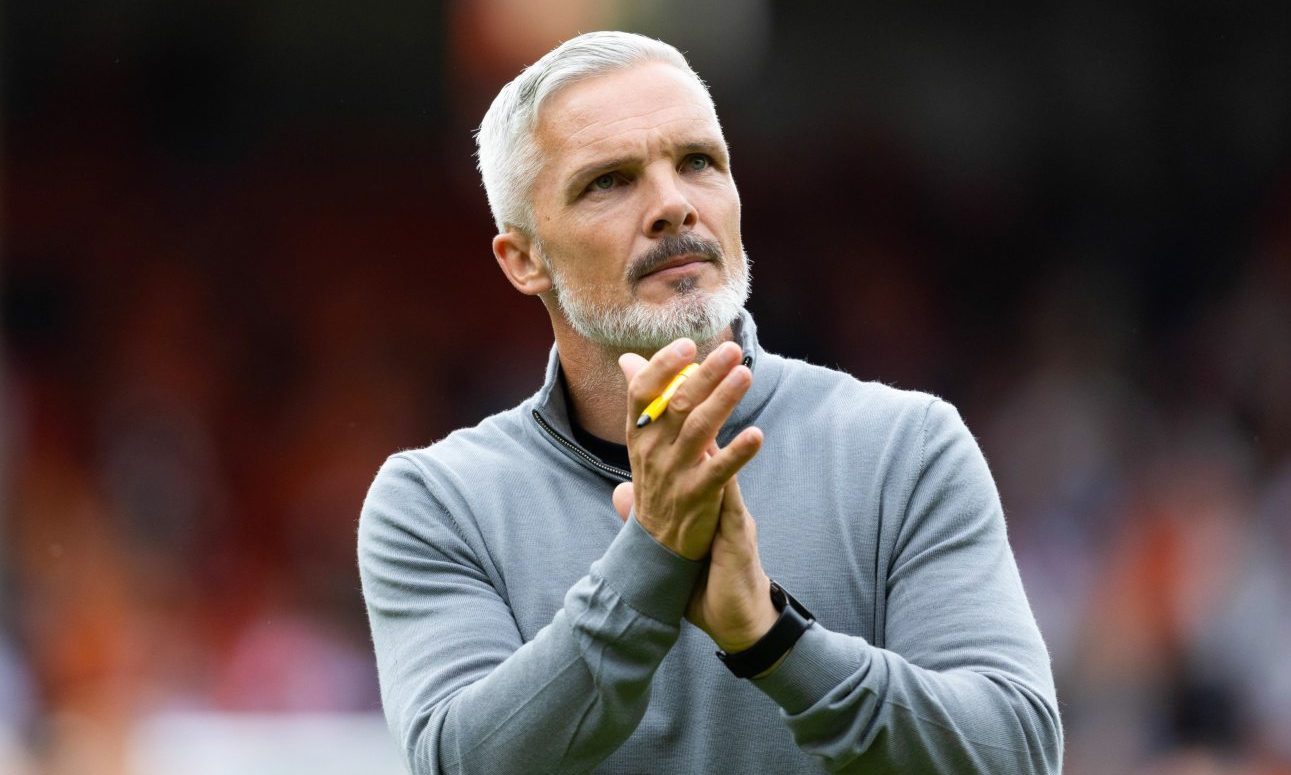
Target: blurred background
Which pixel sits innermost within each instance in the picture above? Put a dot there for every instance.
(246, 256)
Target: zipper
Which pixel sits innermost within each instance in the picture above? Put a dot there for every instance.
(586, 456)
(580, 452)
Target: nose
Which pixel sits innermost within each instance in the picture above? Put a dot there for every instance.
(670, 210)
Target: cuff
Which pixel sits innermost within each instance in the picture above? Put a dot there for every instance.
(819, 662)
(650, 577)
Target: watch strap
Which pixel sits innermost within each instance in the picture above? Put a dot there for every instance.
(788, 628)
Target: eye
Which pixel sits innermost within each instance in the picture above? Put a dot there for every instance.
(603, 183)
(697, 162)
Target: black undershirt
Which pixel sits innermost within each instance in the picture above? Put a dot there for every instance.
(607, 451)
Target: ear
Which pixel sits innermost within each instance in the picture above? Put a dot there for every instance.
(526, 270)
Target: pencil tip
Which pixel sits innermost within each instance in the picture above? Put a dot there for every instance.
(643, 421)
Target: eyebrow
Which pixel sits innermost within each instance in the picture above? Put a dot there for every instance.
(599, 167)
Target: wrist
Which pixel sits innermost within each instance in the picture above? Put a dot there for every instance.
(762, 619)
(673, 536)
(769, 651)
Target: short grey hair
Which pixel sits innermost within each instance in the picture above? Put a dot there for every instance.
(507, 154)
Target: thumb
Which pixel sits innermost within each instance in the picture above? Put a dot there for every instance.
(622, 499)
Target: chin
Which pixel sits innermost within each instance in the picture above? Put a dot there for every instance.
(689, 310)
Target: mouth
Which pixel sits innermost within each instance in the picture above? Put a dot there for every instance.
(678, 265)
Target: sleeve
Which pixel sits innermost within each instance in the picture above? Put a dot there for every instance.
(964, 683)
(460, 690)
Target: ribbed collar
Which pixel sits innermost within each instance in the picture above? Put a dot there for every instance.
(550, 406)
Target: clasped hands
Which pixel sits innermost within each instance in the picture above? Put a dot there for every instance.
(684, 490)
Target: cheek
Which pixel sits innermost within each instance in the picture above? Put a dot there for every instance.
(612, 230)
(609, 243)
(733, 196)
(595, 258)
(723, 207)
(719, 196)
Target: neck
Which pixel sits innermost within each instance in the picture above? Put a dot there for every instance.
(597, 389)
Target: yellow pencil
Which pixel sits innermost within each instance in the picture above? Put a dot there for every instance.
(657, 406)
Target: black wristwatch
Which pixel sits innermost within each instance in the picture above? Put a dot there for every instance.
(758, 658)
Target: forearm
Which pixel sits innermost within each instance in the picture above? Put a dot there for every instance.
(569, 698)
(864, 709)
(461, 688)
(962, 683)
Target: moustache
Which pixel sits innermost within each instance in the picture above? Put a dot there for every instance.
(669, 248)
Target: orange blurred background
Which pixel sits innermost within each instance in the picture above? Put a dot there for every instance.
(245, 257)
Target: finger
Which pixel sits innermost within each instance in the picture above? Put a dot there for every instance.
(622, 500)
(631, 363)
(737, 527)
(702, 424)
(729, 460)
(732, 498)
(705, 379)
(650, 380)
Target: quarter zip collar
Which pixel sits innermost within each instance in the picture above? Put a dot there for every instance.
(550, 409)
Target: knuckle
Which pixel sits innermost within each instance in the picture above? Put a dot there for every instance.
(681, 403)
(637, 391)
(699, 424)
(644, 452)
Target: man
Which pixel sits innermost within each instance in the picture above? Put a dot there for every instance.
(547, 589)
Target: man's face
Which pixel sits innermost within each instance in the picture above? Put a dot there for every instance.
(637, 215)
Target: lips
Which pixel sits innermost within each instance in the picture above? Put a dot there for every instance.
(672, 254)
(678, 261)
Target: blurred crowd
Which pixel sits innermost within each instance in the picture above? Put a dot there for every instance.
(222, 308)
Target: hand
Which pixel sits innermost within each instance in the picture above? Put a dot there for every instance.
(677, 470)
(732, 601)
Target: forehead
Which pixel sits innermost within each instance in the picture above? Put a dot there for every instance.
(647, 103)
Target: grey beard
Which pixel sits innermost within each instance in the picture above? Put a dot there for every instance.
(640, 327)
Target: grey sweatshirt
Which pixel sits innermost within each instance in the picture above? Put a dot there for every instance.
(520, 626)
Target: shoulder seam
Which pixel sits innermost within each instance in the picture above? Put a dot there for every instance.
(424, 476)
(915, 476)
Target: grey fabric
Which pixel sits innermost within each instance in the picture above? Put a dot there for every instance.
(520, 627)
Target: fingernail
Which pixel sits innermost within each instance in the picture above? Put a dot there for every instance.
(683, 347)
